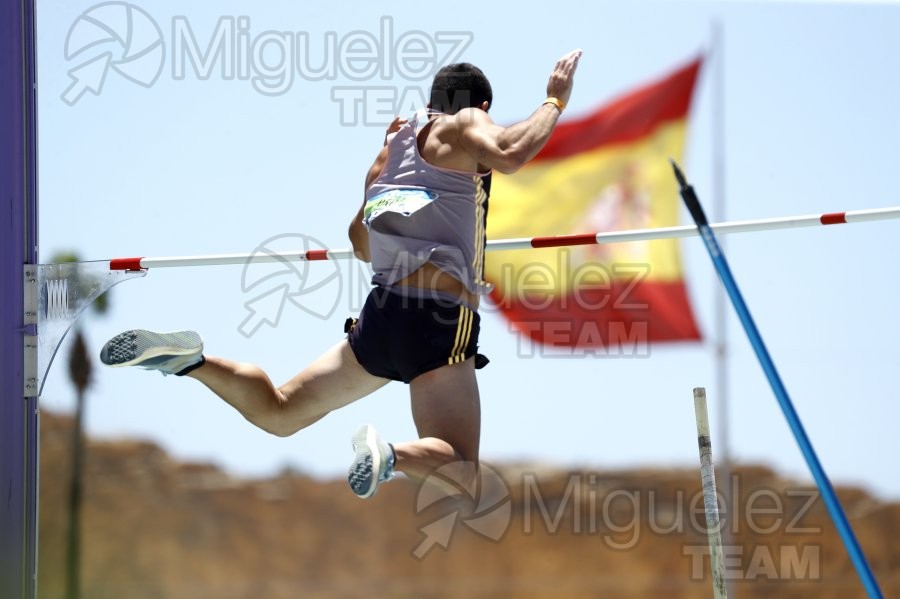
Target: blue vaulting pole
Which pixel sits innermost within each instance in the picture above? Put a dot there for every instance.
(765, 360)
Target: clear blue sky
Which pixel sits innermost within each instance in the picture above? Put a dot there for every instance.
(190, 166)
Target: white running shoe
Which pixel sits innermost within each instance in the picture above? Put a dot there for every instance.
(373, 464)
(171, 353)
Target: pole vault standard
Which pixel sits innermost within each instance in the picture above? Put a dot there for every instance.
(19, 406)
(768, 224)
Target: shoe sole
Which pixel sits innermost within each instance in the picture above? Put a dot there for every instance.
(133, 347)
(366, 439)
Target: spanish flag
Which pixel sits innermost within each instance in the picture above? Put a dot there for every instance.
(606, 171)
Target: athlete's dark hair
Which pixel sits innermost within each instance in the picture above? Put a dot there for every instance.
(460, 85)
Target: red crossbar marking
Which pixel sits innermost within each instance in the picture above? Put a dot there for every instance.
(563, 240)
(125, 264)
(834, 218)
(317, 255)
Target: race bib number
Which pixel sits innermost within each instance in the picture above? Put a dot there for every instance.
(400, 201)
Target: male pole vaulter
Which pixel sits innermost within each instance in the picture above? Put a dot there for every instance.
(422, 226)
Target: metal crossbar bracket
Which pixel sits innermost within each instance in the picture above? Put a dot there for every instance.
(31, 298)
(30, 286)
(55, 296)
(31, 366)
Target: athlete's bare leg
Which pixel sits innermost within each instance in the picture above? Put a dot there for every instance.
(447, 411)
(332, 381)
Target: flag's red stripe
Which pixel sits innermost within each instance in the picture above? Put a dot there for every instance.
(626, 119)
(604, 316)
(125, 264)
(317, 255)
(563, 240)
(834, 218)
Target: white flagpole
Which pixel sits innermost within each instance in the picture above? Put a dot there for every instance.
(721, 358)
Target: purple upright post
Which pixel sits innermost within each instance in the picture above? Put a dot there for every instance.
(18, 246)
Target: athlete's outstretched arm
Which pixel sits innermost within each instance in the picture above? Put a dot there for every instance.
(507, 149)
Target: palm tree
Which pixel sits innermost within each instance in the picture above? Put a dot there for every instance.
(80, 368)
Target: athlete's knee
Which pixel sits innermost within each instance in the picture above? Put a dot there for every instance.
(272, 415)
(273, 425)
(278, 428)
(462, 472)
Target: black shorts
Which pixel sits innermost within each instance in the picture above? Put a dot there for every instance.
(399, 337)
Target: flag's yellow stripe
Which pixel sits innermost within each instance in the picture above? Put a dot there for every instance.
(558, 197)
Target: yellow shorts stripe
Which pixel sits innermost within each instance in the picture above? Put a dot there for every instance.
(463, 334)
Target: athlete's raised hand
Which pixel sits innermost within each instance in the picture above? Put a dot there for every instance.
(563, 77)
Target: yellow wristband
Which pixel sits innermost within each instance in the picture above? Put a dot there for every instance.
(556, 102)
